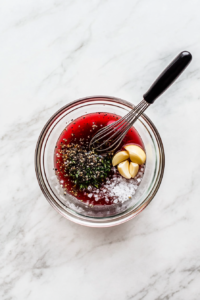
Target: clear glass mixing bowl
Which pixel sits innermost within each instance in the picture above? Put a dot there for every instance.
(67, 205)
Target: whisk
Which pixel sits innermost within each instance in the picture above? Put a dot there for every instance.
(109, 138)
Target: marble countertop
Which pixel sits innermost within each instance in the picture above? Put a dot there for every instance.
(53, 52)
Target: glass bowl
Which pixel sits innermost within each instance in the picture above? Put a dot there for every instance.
(67, 205)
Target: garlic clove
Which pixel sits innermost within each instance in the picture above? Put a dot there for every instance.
(137, 155)
(119, 157)
(133, 169)
(123, 169)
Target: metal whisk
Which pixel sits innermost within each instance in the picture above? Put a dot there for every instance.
(110, 137)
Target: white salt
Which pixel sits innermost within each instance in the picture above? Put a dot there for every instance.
(118, 188)
(89, 188)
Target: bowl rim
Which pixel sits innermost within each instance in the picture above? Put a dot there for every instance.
(86, 221)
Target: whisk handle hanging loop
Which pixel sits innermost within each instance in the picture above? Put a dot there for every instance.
(168, 76)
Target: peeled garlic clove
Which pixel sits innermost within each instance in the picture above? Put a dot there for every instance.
(133, 169)
(123, 169)
(137, 155)
(119, 157)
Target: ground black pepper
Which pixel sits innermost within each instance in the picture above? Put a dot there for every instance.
(85, 167)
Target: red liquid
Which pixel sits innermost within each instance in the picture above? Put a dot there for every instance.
(82, 128)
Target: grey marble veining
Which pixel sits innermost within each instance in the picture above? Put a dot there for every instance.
(52, 52)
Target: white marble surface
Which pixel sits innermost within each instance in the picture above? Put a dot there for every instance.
(55, 51)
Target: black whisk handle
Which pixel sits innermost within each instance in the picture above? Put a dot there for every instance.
(168, 76)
